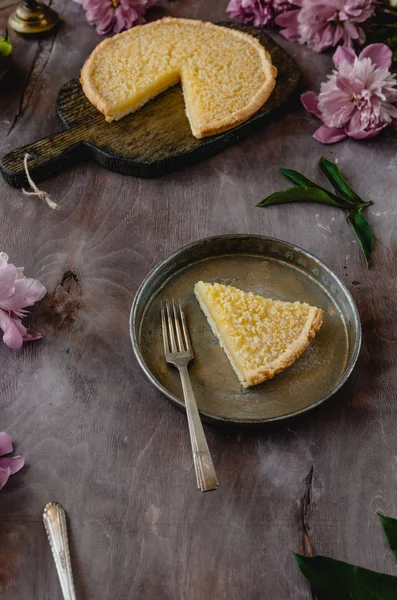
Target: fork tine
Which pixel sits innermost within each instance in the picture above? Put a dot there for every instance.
(185, 329)
(171, 328)
(181, 346)
(165, 332)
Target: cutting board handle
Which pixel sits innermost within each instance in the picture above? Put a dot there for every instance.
(46, 157)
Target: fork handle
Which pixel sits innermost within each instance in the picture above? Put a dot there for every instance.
(205, 472)
(55, 525)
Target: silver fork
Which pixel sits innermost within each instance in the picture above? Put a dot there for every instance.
(179, 352)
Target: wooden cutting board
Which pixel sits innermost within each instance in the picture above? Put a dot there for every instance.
(151, 142)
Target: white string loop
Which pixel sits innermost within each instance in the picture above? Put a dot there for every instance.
(36, 192)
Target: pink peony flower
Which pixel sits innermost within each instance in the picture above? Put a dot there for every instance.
(288, 21)
(324, 24)
(257, 12)
(359, 99)
(115, 15)
(16, 292)
(10, 465)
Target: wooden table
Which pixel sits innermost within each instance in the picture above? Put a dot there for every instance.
(98, 438)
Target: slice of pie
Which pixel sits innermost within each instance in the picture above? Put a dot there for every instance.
(261, 337)
(226, 75)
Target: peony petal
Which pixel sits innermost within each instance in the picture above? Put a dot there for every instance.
(343, 84)
(11, 326)
(4, 475)
(351, 31)
(101, 15)
(361, 36)
(363, 134)
(27, 334)
(339, 35)
(13, 464)
(290, 33)
(379, 54)
(26, 293)
(105, 26)
(342, 116)
(5, 443)
(343, 54)
(120, 22)
(310, 102)
(8, 275)
(30, 336)
(329, 135)
(335, 105)
(321, 42)
(288, 19)
(358, 122)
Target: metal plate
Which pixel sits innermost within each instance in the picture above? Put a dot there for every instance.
(265, 266)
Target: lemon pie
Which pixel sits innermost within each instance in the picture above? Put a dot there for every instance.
(261, 337)
(226, 75)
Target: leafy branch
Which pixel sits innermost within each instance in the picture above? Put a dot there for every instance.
(331, 579)
(344, 197)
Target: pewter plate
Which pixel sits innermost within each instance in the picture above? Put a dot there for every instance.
(265, 266)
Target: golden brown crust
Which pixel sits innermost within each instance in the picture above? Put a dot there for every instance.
(313, 324)
(229, 122)
(86, 82)
(258, 99)
(309, 330)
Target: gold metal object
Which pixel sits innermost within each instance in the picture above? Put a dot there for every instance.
(33, 18)
(179, 352)
(54, 518)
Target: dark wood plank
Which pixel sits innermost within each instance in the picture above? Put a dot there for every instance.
(100, 440)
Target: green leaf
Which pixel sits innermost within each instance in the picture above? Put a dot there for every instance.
(334, 176)
(300, 194)
(300, 179)
(332, 579)
(5, 48)
(390, 528)
(5, 44)
(362, 231)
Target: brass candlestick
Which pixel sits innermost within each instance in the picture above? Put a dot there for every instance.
(33, 18)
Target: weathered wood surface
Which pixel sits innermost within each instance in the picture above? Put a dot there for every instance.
(100, 440)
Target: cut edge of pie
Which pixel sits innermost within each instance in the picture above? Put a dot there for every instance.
(283, 361)
(199, 131)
